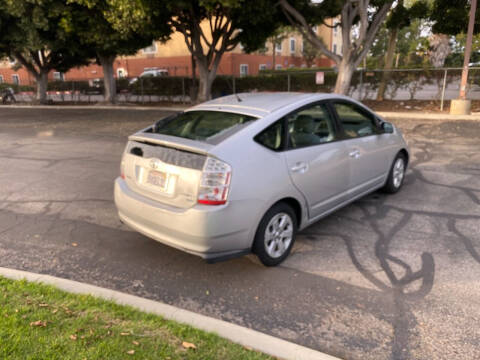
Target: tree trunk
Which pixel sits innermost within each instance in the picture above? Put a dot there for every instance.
(193, 87)
(392, 43)
(109, 78)
(344, 77)
(274, 53)
(206, 78)
(42, 82)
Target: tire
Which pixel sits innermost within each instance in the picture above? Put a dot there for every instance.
(274, 241)
(396, 175)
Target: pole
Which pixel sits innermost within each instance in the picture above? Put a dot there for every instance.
(468, 50)
(183, 89)
(360, 90)
(443, 89)
(233, 85)
(288, 82)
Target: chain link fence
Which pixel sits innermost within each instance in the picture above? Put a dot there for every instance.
(400, 84)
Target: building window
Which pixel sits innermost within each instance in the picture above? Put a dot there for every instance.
(1, 79)
(243, 69)
(15, 79)
(335, 29)
(262, 67)
(334, 48)
(315, 29)
(278, 67)
(278, 46)
(292, 45)
(58, 76)
(121, 73)
(151, 49)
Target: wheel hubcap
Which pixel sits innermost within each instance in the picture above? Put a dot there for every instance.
(398, 172)
(278, 235)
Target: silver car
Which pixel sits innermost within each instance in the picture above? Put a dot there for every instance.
(244, 173)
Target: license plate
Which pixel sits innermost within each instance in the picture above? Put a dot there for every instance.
(157, 178)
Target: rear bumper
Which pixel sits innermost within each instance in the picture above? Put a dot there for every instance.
(211, 232)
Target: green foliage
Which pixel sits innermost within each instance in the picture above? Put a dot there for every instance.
(43, 323)
(456, 57)
(401, 16)
(411, 46)
(94, 22)
(29, 27)
(451, 17)
(310, 53)
(16, 88)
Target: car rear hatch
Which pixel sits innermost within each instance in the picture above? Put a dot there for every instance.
(164, 168)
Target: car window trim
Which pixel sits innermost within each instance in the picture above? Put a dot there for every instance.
(362, 110)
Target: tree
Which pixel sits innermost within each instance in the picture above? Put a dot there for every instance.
(213, 27)
(276, 38)
(451, 17)
(360, 22)
(33, 33)
(439, 49)
(455, 58)
(90, 21)
(400, 17)
(458, 16)
(309, 53)
(210, 28)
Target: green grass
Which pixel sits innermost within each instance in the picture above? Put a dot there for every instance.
(42, 322)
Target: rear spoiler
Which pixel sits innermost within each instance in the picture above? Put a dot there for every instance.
(172, 142)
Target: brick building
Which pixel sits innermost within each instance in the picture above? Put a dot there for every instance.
(175, 58)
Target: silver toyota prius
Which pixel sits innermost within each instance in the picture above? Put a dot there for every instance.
(244, 173)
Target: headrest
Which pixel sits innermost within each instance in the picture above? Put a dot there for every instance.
(305, 124)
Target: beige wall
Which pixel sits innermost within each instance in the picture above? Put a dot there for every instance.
(331, 37)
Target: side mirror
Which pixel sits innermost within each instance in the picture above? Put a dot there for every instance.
(387, 127)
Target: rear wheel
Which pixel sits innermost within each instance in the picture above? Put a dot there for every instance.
(396, 175)
(275, 235)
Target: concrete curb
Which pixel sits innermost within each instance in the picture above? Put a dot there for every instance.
(98, 107)
(428, 116)
(384, 114)
(247, 337)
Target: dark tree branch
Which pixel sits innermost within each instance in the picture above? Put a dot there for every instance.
(297, 20)
(25, 63)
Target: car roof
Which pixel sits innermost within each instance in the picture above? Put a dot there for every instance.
(259, 103)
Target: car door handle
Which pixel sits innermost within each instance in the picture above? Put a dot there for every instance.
(354, 154)
(299, 167)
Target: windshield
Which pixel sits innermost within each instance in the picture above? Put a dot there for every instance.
(208, 126)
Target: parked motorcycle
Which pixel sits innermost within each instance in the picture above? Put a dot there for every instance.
(7, 96)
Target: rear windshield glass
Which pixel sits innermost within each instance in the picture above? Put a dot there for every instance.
(208, 126)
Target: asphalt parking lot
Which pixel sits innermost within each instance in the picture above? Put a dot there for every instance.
(386, 277)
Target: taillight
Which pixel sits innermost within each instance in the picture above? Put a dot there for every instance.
(215, 182)
(122, 169)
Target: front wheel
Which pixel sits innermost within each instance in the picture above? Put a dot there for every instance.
(396, 175)
(275, 235)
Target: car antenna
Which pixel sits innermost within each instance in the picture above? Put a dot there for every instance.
(239, 99)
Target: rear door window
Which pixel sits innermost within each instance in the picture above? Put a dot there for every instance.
(310, 126)
(208, 126)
